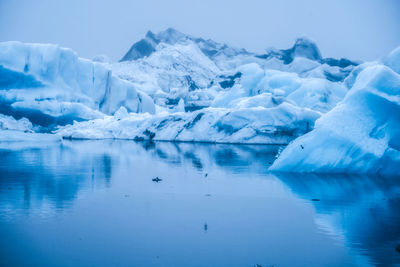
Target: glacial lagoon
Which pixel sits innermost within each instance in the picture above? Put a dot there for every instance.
(100, 203)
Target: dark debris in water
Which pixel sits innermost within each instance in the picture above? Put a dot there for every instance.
(398, 248)
(315, 199)
(156, 180)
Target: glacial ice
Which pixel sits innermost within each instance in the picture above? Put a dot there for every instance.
(179, 77)
(171, 65)
(314, 93)
(171, 73)
(9, 123)
(393, 60)
(52, 86)
(21, 130)
(175, 87)
(360, 135)
(277, 125)
(148, 45)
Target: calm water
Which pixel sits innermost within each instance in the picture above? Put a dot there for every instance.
(93, 203)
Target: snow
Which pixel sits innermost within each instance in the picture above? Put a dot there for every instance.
(360, 135)
(52, 82)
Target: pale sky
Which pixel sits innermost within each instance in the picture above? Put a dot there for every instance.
(357, 29)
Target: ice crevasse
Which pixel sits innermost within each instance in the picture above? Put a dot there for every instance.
(52, 86)
(360, 135)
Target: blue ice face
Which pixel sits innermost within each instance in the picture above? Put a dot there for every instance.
(10, 79)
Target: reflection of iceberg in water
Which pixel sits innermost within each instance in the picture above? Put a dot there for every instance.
(363, 210)
(47, 175)
(236, 158)
(360, 212)
(52, 174)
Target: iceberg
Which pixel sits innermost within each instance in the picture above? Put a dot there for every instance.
(171, 73)
(148, 45)
(360, 135)
(174, 87)
(9, 123)
(305, 59)
(171, 65)
(256, 125)
(314, 93)
(52, 86)
(337, 115)
(393, 60)
(21, 130)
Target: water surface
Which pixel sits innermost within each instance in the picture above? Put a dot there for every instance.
(94, 203)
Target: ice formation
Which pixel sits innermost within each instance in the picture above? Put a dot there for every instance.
(176, 87)
(265, 87)
(149, 45)
(21, 130)
(52, 86)
(171, 65)
(277, 125)
(9, 123)
(360, 135)
(171, 73)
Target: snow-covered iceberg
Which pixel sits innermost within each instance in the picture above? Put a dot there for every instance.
(361, 134)
(52, 86)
